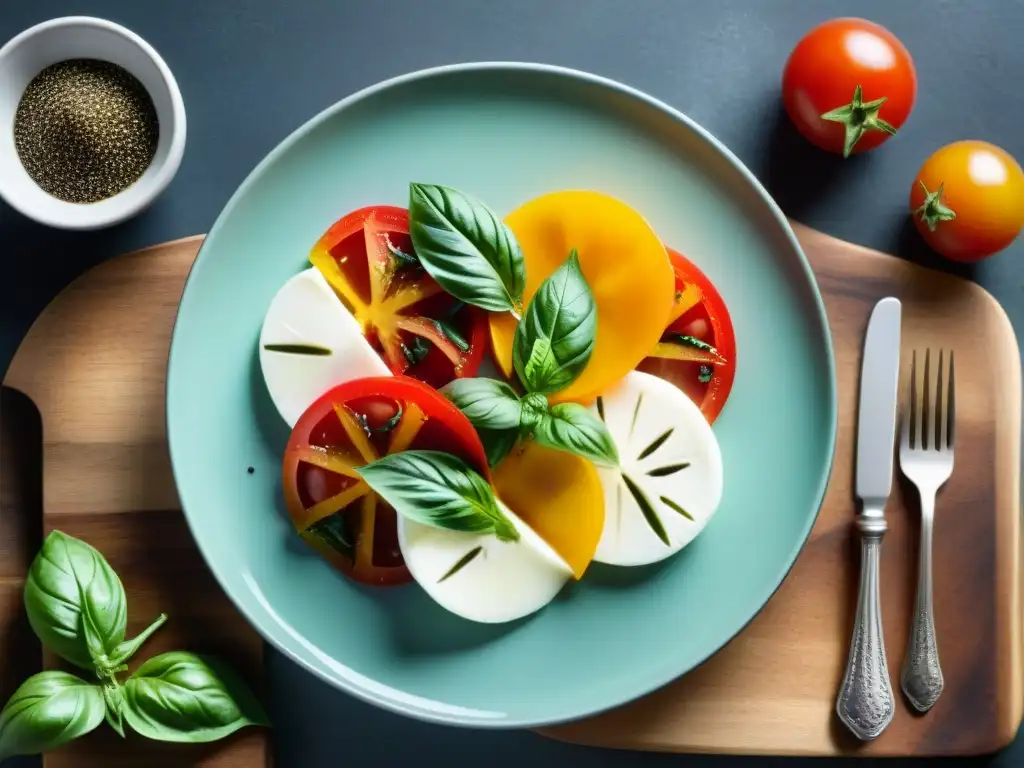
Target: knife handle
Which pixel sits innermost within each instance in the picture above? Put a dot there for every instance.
(865, 703)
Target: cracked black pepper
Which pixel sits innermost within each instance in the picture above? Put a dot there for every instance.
(85, 130)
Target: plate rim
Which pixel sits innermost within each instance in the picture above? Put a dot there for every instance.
(769, 203)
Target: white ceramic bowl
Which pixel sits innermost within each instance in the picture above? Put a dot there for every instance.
(81, 37)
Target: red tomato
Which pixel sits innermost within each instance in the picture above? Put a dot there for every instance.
(418, 329)
(848, 85)
(968, 200)
(351, 425)
(704, 370)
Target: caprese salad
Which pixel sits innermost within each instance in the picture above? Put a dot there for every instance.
(609, 357)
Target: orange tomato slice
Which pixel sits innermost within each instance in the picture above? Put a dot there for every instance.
(557, 494)
(625, 264)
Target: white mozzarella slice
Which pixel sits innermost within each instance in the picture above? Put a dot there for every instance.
(306, 313)
(669, 482)
(499, 581)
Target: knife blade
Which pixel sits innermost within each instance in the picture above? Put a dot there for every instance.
(865, 702)
(876, 414)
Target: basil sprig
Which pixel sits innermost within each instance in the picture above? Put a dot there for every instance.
(439, 490)
(466, 248)
(77, 606)
(552, 346)
(555, 338)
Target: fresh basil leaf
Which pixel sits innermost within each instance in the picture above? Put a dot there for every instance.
(535, 409)
(438, 489)
(555, 338)
(466, 247)
(75, 601)
(48, 710)
(498, 443)
(487, 403)
(113, 697)
(573, 428)
(183, 697)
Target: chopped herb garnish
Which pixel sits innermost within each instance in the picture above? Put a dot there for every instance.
(448, 331)
(403, 259)
(655, 444)
(706, 372)
(463, 561)
(600, 407)
(415, 351)
(668, 469)
(648, 510)
(636, 412)
(298, 349)
(331, 531)
(387, 426)
(675, 507)
(694, 343)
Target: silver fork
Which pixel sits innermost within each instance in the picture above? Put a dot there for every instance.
(926, 458)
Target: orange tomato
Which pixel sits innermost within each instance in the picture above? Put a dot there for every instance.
(968, 200)
(625, 265)
(559, 495)
(848, 85)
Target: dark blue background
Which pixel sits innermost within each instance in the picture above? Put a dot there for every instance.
(251, 71)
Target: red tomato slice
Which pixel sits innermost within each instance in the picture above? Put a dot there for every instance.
(357, 422)
(417, 328)
(703, 370)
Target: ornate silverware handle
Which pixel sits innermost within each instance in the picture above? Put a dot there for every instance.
(921, 678)
(865, 703)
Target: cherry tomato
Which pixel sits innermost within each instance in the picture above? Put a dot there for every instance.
(418, 329)
(697, 352)
(357, 422)
(848, 85)
(968, 200)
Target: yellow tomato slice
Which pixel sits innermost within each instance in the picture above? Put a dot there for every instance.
(557, 494)
(625, 264)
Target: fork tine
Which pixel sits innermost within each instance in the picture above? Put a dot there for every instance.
(926, 402)
(937, 442)
(951, 405)
(912, 430)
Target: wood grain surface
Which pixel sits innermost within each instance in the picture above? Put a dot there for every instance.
(93, 365)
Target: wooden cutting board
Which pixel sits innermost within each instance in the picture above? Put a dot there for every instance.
(94, 363)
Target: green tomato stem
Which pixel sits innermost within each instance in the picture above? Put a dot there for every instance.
(858, 117)
(933, 210)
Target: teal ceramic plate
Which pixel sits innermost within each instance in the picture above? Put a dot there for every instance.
(506, 132)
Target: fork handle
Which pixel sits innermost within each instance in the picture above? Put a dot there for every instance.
(921, 678)
(865, 703)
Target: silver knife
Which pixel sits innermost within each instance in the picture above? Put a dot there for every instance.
(865, 703)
